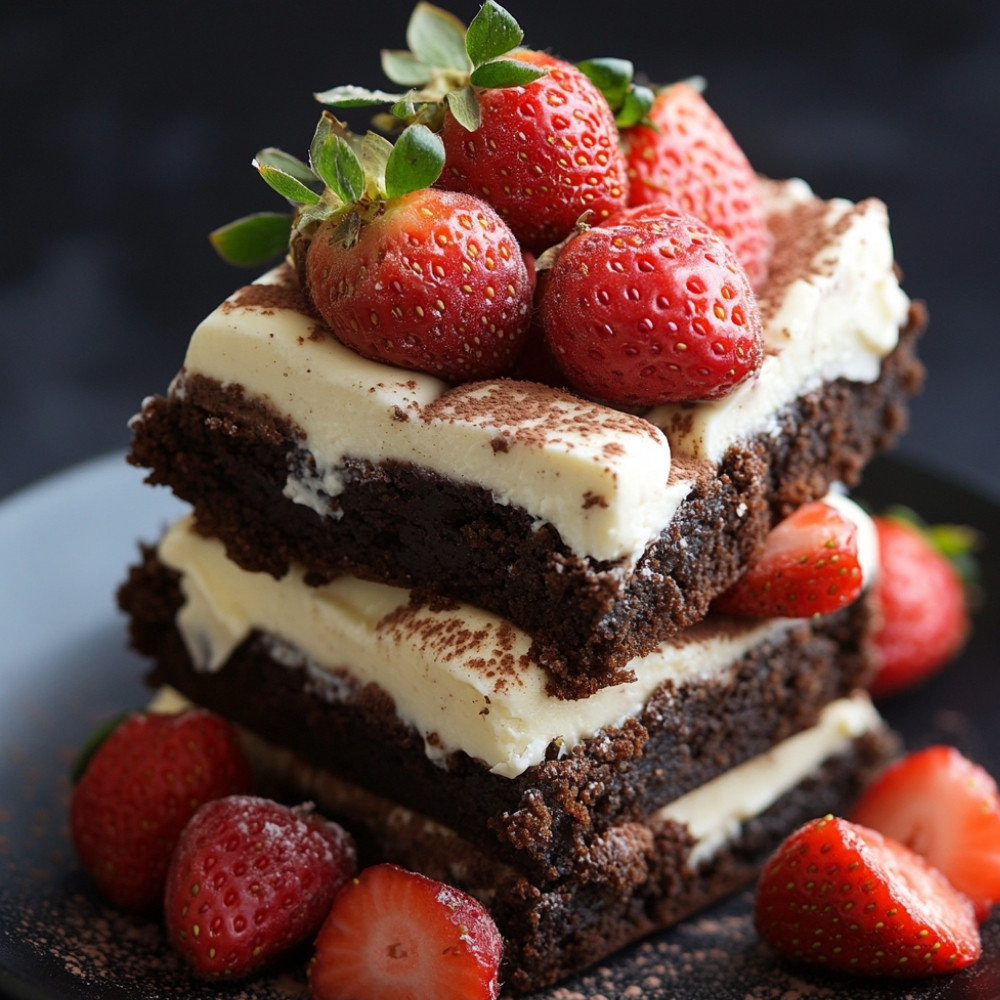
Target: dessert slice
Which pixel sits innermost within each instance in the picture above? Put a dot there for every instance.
(641, 875)
(598, 532)
(442, 709)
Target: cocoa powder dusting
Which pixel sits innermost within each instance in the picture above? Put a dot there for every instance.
(800, 235)
(535, 414)
(487, 650)
(284, 293)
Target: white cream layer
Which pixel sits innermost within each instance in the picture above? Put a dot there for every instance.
(714, 812)
(599, 476)
(462, 677)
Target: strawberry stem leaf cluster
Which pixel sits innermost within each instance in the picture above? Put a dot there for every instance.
(663, 311)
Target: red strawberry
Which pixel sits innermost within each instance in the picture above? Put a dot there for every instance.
(842, 896)
(392, 933)
(686, 157)
(251, 878)
(140, 788)
(434, 282)
(925, 617)
(947, 809)
(651, 307)
(808, 566)
(543, 154)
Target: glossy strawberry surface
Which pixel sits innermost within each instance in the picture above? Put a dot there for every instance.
(686, 157)
(543, 155)
(434, 281)
(651, 307)
(842, 896)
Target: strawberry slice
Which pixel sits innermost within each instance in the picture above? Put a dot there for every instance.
(842, 896)
(947, 809)
(394, 933)
(808, 566)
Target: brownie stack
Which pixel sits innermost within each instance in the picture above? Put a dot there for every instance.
(472, 621)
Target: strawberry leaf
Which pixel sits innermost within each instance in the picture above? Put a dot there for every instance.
(464, 105)
(492, 33)
(349, 96)
(437, 38)
(412, 111)
(612, 77)
(289, 176)
(505, 73)
(405, 68)
(636, 107)
(416, 161)
(374, 152)
(335, 161)
(253, 240)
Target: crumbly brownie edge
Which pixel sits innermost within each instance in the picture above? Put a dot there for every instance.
(545, 820)
(636, 880)
(230, 455)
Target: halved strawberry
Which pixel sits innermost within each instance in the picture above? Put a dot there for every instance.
(947, 809)
(809, 566)
(394, 933)
(842, 896)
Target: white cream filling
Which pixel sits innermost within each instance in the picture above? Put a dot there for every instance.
(714, 812)
(462, 677)
(599, 476)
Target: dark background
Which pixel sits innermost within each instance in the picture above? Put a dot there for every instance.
(128, 129)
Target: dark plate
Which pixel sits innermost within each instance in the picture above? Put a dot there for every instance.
(63, 667)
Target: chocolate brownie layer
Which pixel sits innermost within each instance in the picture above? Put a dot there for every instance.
(230, 456)
(635, 880)
(545, 820)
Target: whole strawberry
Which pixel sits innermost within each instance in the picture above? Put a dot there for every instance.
(842, 896)
(651, 307)
(393, 933)
(250, 879)
(947, 809)
(529, 133)
(138, 791)
(433, 281)
(925, 617)
(544, 153)
(808, 566)
(684, 156)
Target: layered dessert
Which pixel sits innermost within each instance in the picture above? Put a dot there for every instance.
(585, 645)
(596, 531)
(581, 824)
